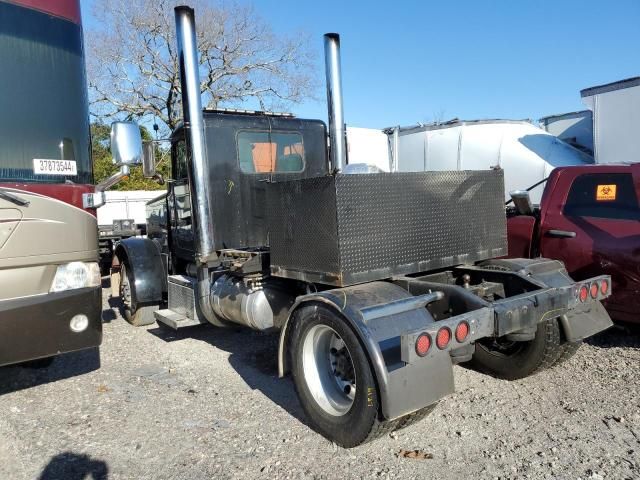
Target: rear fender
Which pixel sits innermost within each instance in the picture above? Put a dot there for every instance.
(578, 321)
(145, 265)
(403, 387)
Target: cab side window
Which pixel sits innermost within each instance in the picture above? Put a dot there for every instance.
(180, 171)
(610, 195)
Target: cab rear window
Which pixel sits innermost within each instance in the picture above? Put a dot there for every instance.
(610, 195)
(270, 152)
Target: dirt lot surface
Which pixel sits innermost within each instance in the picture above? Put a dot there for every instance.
(206, 403)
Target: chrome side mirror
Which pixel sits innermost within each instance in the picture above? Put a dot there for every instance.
(148, 160)
(126, 144)
(522, 202)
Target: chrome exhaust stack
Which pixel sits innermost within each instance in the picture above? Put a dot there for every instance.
(194, 125)
(201, 214)
(337, 133)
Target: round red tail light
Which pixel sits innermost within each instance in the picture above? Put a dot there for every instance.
(443, 338)
(462, 331)
(584, 293)
(423, 344)
(594, 290)
(604, 287)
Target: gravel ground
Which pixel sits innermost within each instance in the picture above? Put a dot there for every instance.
(206, 403)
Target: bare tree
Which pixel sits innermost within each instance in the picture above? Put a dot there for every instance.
(132, 63)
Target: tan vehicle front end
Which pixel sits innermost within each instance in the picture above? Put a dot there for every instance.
(50, 294)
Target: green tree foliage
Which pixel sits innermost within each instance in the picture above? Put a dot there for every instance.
(103, 166)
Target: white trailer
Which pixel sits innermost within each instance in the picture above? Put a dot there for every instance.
(575, 128)
(123, 215)
(525, 152)
(125, 204)
(616, 120)
(368, 146)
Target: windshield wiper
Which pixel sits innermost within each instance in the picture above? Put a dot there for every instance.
(10, 197)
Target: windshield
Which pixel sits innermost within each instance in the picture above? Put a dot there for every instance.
(44, 122)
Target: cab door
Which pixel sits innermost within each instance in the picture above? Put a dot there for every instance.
(179, 201)
(593, 226)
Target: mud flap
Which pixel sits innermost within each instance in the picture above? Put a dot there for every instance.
(416, 385)
(585, 321)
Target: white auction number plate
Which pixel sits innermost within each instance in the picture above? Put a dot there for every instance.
(45, 166)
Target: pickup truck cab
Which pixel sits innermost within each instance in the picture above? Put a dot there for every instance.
(589, 219)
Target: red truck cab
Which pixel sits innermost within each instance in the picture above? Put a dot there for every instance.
(588, 218)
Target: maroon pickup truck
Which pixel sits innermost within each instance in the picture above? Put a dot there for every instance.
(588, 218)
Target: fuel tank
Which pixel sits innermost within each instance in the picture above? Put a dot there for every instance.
(258, 304)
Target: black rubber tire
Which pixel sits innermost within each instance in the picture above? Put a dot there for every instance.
(362, 422)
(141, 316)
(414, 417)
(527, 359)
(136, 315)
(570, 349)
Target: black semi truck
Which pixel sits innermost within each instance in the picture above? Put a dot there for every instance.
(378, 282)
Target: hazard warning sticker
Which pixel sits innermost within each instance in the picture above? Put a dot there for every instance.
(605, 193)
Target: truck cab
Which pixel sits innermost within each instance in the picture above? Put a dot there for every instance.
(588, 218)
(378, 282)
(247, 150)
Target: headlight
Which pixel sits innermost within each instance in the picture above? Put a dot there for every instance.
(76, 275)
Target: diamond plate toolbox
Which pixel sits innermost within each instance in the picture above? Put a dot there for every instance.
(347, 229)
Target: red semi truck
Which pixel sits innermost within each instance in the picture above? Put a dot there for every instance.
(589, 218)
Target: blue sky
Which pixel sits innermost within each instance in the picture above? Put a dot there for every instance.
(408, 62)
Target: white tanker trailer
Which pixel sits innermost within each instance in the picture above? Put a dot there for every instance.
(525, 152)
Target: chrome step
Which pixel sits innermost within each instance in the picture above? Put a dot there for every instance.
(174, 320)
(182, 296)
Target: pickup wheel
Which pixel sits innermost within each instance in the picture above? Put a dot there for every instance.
(515, 360)
(333, 378)
(136, 315)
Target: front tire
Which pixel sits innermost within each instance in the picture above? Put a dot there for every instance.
(136, 315)
(333, 378)
(516, 360)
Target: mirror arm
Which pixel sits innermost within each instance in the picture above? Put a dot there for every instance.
(113, 179)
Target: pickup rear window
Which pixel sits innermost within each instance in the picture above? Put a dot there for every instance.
(603, 195)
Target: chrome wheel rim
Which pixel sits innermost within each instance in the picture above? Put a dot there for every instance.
(328, 370)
